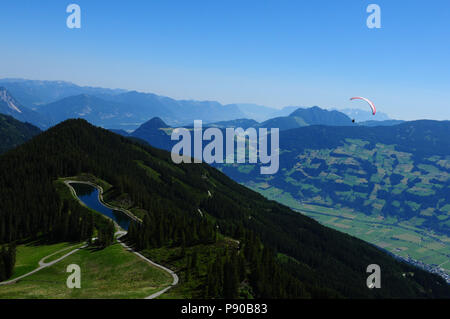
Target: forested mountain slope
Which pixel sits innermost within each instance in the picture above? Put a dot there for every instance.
(317, 261)
(14, 132)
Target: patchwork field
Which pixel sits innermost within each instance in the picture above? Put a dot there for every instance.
(400, 238)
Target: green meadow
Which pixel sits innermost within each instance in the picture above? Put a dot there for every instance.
(29, 254)
(112, 272)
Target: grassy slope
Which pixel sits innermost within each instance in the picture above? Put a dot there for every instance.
(29, 254)
(108, 273)
(61, 253)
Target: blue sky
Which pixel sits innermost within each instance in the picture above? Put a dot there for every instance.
(275, 53)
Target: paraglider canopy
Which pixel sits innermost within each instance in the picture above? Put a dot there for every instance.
(372, 106)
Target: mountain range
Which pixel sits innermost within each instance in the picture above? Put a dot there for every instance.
(10, 106)
(392, 182)
(275, 252)
(308, 116)
(157, 133)
(399, 171)
(386, 181)
(32, 93)
(362, 115)
(50, 102)
(57, 101)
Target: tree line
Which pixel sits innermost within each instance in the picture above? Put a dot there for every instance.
(7, 261)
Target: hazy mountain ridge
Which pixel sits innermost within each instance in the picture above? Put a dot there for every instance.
(112, 108)
(96, 110)
(360, 115)
(10, 106)
(122, 109)
(32, 93)
(178, 112)
(317, 116)
(155, 131)
(300, 117)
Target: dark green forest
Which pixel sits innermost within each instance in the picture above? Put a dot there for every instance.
(14, 132)
(7, 260)
(320, 262)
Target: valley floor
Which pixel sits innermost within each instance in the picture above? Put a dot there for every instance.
(404, 240)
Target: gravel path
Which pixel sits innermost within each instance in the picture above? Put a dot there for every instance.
(42, 265)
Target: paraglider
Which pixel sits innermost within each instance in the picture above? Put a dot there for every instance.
(372, 106)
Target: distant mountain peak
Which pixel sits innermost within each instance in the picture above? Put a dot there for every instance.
(155, 122)
(151, 132)
(10, 106)
(301, 110)
(318, 116)
(361, 115)
(9, 100)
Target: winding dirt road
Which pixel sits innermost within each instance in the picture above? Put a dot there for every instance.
(173, 274)
(43, 265)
